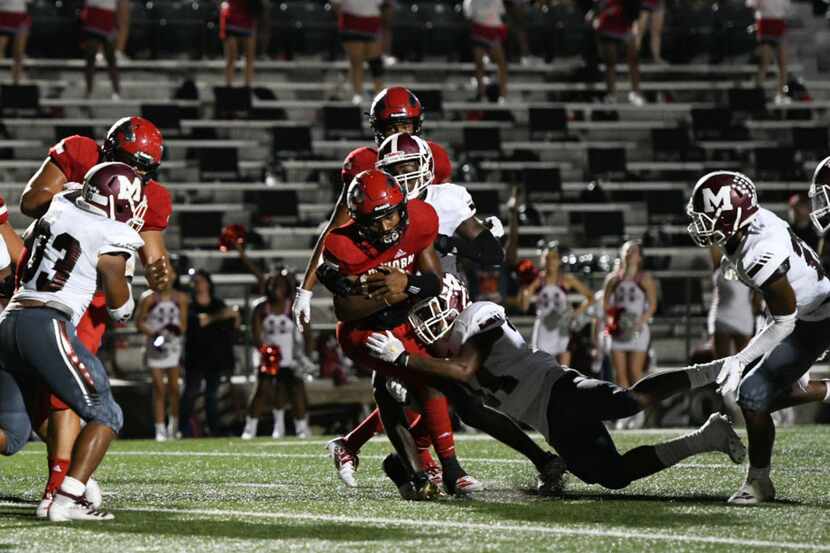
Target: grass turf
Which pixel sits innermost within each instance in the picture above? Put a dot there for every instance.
(229, 495)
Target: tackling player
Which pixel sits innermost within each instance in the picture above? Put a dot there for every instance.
(138, 143)
(769, 258)
(478, 346)
(83, 239)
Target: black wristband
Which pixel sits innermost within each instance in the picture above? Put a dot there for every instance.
(422, 286)
(403, 360)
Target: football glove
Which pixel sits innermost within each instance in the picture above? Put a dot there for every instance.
(730, 374)
(385, 347)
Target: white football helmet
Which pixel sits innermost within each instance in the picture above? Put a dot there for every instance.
(432, 318)
(405, 148)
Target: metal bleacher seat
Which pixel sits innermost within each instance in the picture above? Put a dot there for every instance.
(292, 141)
(218, 163)
(671, 143)
(342, 122)
(546, 121)
(606, 162)
(231, 102)
(811, 139)
(166, 117)
(20, 99)
(542, 183)
(480, 142)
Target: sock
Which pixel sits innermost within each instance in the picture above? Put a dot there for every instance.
(251, 424)
(753, 473)
(172, 426)
(160, 428)
(301, 425)
(423, 441)
(73, 487)
(672, 452)
(439, 427)
(279, 421)
(363, 432)
(57, 472)
(827, 391)
(703, 374)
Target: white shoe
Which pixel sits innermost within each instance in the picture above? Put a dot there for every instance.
(93, 493)
(782, 100)
(301, 427)
(173, 429)
(724, 437)
(753, 492)
(250, 428)
(42, 510)
(466, 485)
(636, 99)
(161, 437)
(65, 508)
(345, 461)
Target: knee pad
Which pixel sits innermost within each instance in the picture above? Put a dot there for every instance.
(17, 428)
(376, 67)
(756, 392)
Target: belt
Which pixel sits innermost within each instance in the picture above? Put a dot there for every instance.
(63, 309)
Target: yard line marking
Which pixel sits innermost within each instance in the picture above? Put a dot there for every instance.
(476, 526)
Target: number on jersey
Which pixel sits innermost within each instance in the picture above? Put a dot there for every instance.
(42, 239)
(807, 253)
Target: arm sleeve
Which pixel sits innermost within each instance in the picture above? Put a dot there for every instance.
(766, 340)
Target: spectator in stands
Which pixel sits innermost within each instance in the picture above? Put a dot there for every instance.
(653, 12)
(123, 26)
(237, 27)
(98, 33)
(162, 318)
(554, 310)
(614, 21)
(360, 24)
(770, 26)
(263, 30)
(517, 24)
(629, 301)
(487, 35)
(799, 218)
(208, 349)
(15, 23)
(731, 318)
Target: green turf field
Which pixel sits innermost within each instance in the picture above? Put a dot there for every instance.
(230, 495)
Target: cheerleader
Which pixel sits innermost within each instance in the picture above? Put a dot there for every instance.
(629, 301)
(162, 318)
(15, 23)
(279, 379)
(731, 320)
(554, 312)
(99, 30)
(614, 22)
(361, 24)
(237, 30)
(488, 35)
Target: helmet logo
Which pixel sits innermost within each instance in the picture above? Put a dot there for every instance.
(714, 201)
(128, 189)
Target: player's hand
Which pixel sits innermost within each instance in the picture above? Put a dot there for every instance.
(494, 224)
(385, 347)
(444, 245)
(730, 375)
(302, 307)
(157, 274)
(397, 390)
(385, 281)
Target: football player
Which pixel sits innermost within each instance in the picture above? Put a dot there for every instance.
(370, 265)
(83, 239)
(768, 257)
(138, 143)
(478, 346)
(410, 159)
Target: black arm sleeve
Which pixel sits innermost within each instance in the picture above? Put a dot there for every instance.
(330, 276)
(484, 249)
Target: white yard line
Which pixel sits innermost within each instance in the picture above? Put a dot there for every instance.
(475, 526)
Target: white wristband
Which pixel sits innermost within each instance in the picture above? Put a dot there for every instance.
(125, 312)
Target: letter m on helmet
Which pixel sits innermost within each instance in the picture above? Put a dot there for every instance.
(713, 201)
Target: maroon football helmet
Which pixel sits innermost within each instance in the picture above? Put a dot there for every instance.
(722, 203)
(432, 319)
(136, 142)
(402, 148)
(820, 196)
(372, 196)
(114, 190)
(395, 104)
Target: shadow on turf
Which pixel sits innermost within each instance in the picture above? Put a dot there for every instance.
(160, 524)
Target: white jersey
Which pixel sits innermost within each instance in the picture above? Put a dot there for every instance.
(551, 329)
(102, 4)
(769, 245)
(63, 260)
(512, 378)
(484, 12)
(278, 329)
(454, 205)
(361, 8)
(13, 6)
(731, 304)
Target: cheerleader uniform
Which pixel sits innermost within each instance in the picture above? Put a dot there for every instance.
(13, 17)
(279, 330)
(551, 330)
(236, 19)
(164, 348)
(631, 297)
(98, 19)
(488, 30)
(360, 20)
(731, 309)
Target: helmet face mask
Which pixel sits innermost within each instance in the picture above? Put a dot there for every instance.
(433, 318)
(702, 230)
(401, 152)
(373, 198)
(820, 207)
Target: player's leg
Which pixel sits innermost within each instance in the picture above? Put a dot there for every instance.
(499, 58)
(280, 404)
(632, 57)
(478, 59)
(299, 406)
(262, 396)
(112, 66)
(15, 424)
(173, 395)
(19, 52)
(397, 430)
(250, 58)
(374, 60)
(765, 384)
(656, 31)
(354, 52)
(230, 59)
(816, 390)
(159, 391)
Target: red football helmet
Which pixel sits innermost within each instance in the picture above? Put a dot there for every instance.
(358, 160)
(114, 190)
(722, 203)
(432, 319)
(401, 148)
(820, 196)
(136, 142)
(372, 196)
(395, 104)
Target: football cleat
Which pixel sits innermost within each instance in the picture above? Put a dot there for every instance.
(753, 492)
(93, 493)
(42, 510)
(551, 480)
(345, 461)
(435, 474)
(67, 507)
(725, 437)
(465, 485)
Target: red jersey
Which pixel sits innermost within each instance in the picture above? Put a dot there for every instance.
(75, 155)
(443, 167)
(355, 256)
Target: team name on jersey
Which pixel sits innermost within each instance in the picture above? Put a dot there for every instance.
(399, 263)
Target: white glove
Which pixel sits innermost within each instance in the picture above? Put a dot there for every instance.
(494, 224)
(305, 366)
(385, 347)
(730, 375)
(397, 390)
(302, 307)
